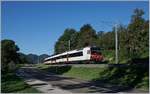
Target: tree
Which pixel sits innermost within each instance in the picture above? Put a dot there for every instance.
(135, 33)
(122, 34)
(107, 40)
(99, 41)
(9, 53)
(22, 58)
(87, 36)
(133, 38)
(62, 44)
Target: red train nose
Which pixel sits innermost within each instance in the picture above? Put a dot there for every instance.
(96, 57)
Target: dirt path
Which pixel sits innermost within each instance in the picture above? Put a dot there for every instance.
(51, 83)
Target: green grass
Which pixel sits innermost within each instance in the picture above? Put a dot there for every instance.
(84, 73)
(132, 75)
(13, 84)
(109, 56)
(42, 66)
(77, 72)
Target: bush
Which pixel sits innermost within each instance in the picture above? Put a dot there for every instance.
(131, 75)
(13, 84)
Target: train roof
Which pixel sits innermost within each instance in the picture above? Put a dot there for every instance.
(64, 53)
(69, 52)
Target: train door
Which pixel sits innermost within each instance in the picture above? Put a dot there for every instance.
(86, 53)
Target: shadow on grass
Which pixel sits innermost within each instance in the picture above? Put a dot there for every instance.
(38, 84)
(58, 69)
(9, 77)
(115, 78)
(12, 83)
(50, 74)
(128, 76)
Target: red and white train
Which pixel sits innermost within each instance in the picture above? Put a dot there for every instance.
(85, 54)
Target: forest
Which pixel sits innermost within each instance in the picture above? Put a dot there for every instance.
(132, 39)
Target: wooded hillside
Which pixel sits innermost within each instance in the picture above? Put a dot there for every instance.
(132, 38)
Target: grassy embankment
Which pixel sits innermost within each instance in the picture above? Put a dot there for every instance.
(10, 83)
(132, 75)
(77, 72)
(135, 74)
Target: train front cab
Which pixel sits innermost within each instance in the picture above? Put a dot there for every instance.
(96, 54)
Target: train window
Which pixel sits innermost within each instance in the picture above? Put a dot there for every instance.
(88, 51)
(63, 56)
(57, 57)
(96, 52)
(95, 48)
(53, 59)
(76, 54)
(67, 55)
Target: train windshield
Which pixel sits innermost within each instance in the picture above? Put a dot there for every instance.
(95, 50)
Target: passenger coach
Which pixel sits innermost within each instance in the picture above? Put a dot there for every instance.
(85, 54)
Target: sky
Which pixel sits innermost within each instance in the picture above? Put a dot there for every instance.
(36, 26)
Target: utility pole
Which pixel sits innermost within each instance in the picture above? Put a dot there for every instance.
(116, 39)
(116, 43)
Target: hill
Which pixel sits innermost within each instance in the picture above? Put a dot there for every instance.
(32, 58)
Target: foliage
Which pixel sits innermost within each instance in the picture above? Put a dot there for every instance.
(109, 55)
(22, 58)
(137, 35)
(134, 74)
(87, 36)
(62, 44)
(31, 58)
(9, 54)
(132, 38)
(12, 83)
(133, 46)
